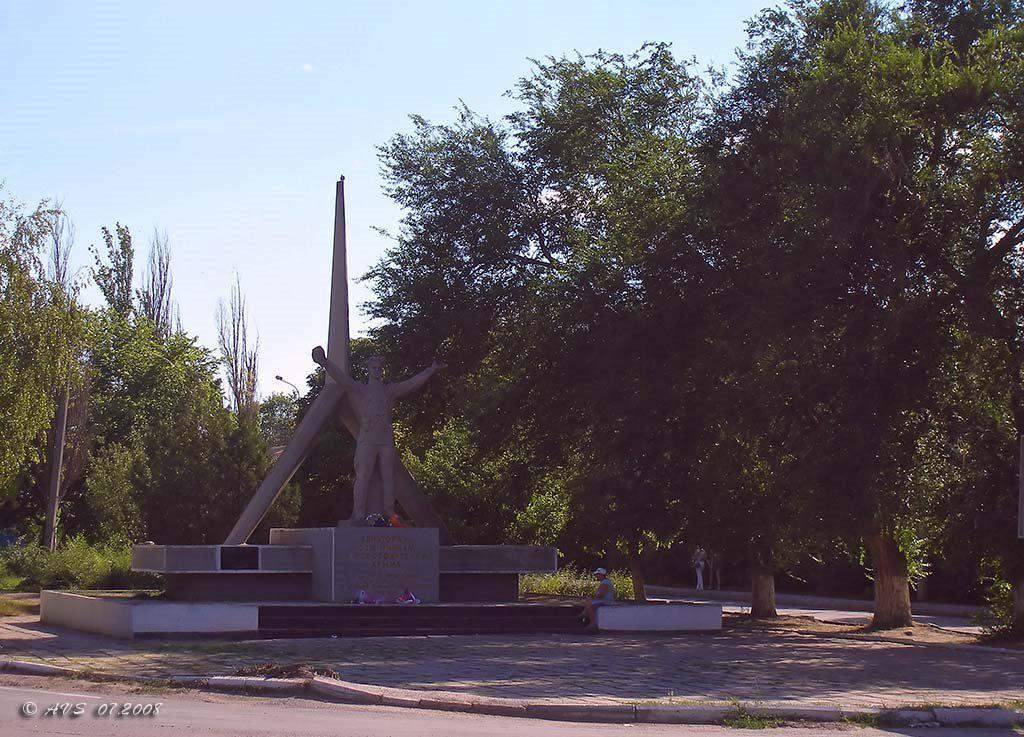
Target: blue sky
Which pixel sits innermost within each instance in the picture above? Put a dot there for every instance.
(226, 125)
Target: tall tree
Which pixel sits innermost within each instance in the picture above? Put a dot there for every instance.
(156, 301)
(61, 237)
(114, 270)
(240, 357)
(39, 338)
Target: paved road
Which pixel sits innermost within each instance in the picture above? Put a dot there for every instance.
(217, 715)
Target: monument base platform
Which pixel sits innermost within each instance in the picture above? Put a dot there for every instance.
(308, 564)
(253, 586)
(380, 561)
(120, 614)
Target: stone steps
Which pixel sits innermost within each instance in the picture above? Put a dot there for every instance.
(423, 619)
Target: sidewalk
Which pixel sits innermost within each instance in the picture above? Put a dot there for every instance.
(951, 617)
(738, 665)
(802, 601)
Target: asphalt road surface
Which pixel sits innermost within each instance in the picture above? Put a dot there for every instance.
(199, 714)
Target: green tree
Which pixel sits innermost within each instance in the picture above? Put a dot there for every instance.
(114, 275)
(112, 491)
(859, 147)
(547, 258)
(39, 340)
(160, 395)
(278, 418)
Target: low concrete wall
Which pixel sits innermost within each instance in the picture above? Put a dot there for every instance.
(186, 559)
(89, 613)
(695, 617)
(128, 618)
(152, 617)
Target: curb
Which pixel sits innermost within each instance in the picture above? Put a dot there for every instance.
(216, 683)
(358, 693)
(37, 669)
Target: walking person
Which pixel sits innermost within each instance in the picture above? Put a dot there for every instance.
(698, 561)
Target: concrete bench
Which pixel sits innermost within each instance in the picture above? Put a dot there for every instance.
(674, 617)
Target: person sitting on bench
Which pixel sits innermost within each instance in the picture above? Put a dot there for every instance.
(604, 596)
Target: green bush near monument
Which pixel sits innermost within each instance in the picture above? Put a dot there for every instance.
(77, 565)
(573, 581)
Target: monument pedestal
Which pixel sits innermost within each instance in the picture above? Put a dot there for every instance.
(382, 561)
(332, 564)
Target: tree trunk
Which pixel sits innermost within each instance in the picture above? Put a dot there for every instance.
(762, 592)
(636, 572)
(60, 423)
(892, 585)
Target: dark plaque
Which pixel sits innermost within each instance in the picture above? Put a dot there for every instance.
(239, 558)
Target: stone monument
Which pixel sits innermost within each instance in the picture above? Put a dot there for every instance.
(374, 403)
(332, 399)
(334, 564)
(313, 582)
(376, 562)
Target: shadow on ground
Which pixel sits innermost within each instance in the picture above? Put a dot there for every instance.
(736, 664)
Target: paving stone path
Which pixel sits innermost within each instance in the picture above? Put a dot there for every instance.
(743, 665)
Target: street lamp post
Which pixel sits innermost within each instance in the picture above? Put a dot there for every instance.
(285, 381)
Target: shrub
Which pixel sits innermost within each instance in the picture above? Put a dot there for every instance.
(573, 581)
(22, 561)
(77, 565)
(999, 619)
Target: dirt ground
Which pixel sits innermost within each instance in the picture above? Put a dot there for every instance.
(919, 633)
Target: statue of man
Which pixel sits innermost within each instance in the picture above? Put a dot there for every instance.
(374, 403)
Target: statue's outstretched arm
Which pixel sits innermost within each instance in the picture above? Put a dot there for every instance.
(411, 384)
(333, 370)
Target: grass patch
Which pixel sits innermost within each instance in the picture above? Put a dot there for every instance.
(868, 721)
(10, 581)
(291, 670)
(745, 720)
(15, 607)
